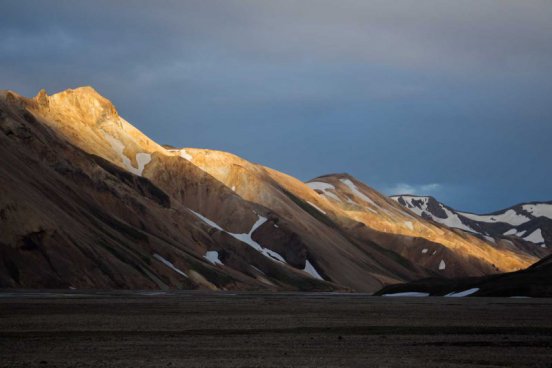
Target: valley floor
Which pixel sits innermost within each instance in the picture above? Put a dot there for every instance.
(199, 329)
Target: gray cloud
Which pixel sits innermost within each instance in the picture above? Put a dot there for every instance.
(393, 92)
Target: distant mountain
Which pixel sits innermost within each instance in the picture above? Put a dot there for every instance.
(89, 201)
(527, 222)
(448, 252)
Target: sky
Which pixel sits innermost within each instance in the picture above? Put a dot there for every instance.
(445, 98)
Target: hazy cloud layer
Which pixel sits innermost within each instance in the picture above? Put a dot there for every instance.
(456, 93)
(432, 189)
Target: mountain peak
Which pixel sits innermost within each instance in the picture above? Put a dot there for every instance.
(83, 90)
(338, 176)
(82, 102)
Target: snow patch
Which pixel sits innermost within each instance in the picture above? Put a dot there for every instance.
(320, 185)
(357, 192)
(324, 188)
(512, 231)
(462, 293)
(169, 264)
(539, 210)
(185, 155)
(515, 232)
(207, 221)
(442, 265)
(452, 220)
(258, 270)
(213, 257)
(535, 237)
(425, 250)
(309, 268)
(318, 208)
(141, 158)
(246, 237)
(409, 294)
(409, 225)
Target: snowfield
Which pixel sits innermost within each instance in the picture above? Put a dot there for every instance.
(539, 210)
(535, 237)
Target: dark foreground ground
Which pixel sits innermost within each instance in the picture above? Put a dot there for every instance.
(193, 329)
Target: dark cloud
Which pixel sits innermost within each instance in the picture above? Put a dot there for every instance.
(397, 93)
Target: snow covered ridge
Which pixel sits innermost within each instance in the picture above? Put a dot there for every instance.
(509, 217)
(521, 221)
(421, 207)
(539, 209)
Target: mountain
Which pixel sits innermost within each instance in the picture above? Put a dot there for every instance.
(89, 201)
(449, 252)
(531, 282)
(527, 224)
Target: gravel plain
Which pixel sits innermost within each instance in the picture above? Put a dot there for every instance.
(202, 329)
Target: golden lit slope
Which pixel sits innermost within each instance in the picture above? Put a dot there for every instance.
(74, 219)
(363, 204)
(343, 259)
(351, 202)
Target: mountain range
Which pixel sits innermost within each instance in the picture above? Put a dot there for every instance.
(529, 222)
(89, 201)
